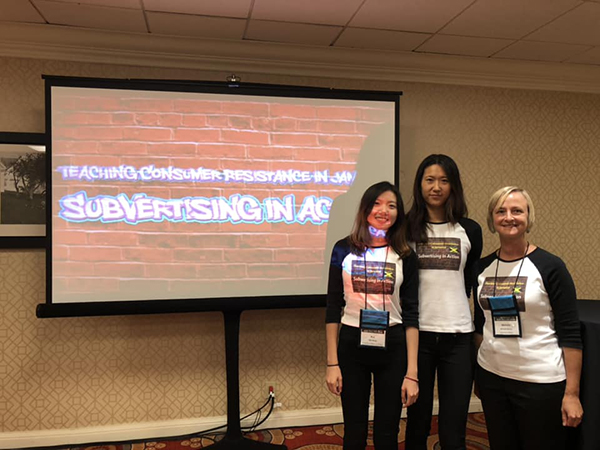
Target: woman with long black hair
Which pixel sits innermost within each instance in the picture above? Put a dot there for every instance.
(372, 320)
(448, 246)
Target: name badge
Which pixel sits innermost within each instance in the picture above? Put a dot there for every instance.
(373, 328)
(506, 321)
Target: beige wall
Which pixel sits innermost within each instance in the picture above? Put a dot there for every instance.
(79, 372)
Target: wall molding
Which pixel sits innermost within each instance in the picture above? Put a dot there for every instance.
(147, 430)
(50, 42)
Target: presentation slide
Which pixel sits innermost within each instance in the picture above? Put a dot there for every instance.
(161, 195)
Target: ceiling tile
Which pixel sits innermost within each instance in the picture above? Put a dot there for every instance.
(408, 15)
(380, 39)
(226, 8)
(197, 26)
(590, 57)
(19, 11)
(332, 12)
(507, 18)
(87, 16)
(579, 26)
(295, 33)
(541, 51)
(132, 4)
(462, 45)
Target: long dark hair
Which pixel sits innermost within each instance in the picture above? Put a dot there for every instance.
(360, 238)
(456, 207)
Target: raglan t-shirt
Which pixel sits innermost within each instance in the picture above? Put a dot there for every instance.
(546, 300)
(447, 273)
(376, 279)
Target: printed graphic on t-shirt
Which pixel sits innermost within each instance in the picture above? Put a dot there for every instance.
(439, 254)
(378, 278)
(504, 286)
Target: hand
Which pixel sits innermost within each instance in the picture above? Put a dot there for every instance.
(572, 411)
(410, 392)
(334, 380)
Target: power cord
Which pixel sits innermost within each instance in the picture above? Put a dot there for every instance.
(210, 433)
(258, 412)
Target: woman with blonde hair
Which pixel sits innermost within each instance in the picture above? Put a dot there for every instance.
(528, 334)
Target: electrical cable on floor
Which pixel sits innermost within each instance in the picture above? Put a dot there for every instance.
(210, 433)
(259, 422)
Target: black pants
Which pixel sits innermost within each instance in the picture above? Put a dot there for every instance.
(451, 355)
(521, 415)
(387, 368)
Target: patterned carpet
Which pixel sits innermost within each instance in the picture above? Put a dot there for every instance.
(321, 437)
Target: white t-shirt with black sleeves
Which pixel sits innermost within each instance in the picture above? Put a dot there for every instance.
(375, 278)
(447, 273)
(546, 299)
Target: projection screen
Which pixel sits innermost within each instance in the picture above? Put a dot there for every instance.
(174, 191)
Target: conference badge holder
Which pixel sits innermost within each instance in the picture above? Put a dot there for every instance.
(373, 328)
(506, 320)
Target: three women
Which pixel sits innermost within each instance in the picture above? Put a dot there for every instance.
(525, 317)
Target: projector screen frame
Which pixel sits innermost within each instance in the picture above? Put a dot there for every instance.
(110, 308)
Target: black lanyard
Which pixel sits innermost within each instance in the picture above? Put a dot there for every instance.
(518, 273)
(387, 249)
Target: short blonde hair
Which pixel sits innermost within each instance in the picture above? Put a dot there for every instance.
(499, 197)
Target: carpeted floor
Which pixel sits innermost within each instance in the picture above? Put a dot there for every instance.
(321, 437)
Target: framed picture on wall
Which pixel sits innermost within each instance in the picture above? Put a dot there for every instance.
(22, 190)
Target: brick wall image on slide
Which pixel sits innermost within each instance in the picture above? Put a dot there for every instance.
(184, 196)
